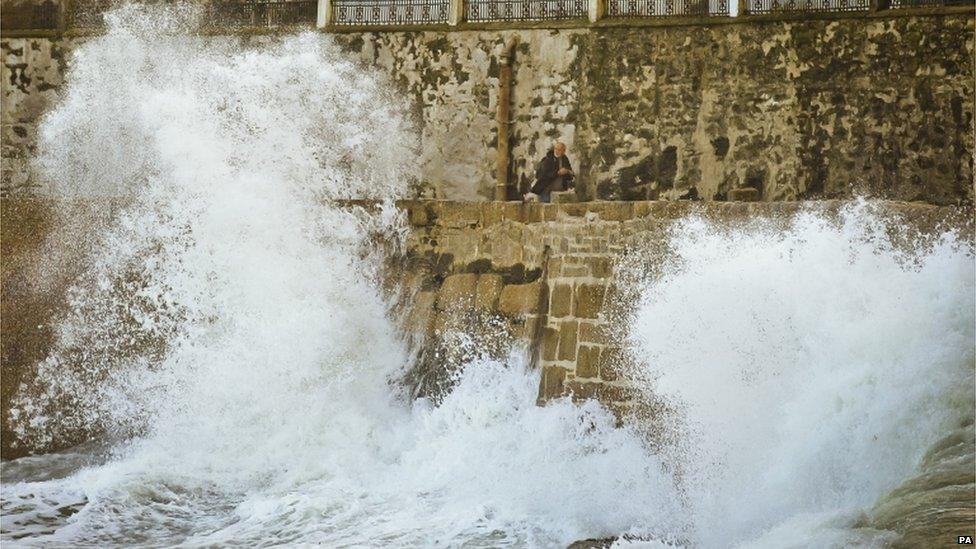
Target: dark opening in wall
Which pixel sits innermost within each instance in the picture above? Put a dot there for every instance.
(667, 166)
(756, 179)
(721, 146)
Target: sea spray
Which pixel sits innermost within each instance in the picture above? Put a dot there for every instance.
(811, 363)
(224, 164)
(228, 344)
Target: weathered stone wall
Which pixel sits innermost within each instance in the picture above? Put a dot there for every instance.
(552, 275)
(544, 274)
(31, 72)
(795, 109)
(881, 106)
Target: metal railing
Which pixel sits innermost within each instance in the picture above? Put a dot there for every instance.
(31, 15)
(524, 10)
(262, 14)
(907, 4)
(764, 7)
(668, 8)
(389, 12)
(87, 14)
(55, 15)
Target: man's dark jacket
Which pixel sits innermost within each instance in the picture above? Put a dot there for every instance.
(548, 172)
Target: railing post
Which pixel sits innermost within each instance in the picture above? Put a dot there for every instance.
(743, 8)
(324, 15)
(455, 12)
(596, 10)
(64, 6)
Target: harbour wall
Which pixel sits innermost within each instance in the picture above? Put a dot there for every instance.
(560, 278)
(549, 279)
(879, 105)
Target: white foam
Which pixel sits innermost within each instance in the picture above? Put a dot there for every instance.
(813, 366)
(230, 332)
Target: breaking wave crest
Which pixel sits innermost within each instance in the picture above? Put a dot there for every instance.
(811, 364)
(229, 343)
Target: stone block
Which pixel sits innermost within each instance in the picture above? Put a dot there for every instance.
(643, 208)
(561, 302)
(574, 270)
(495, 212)
(623, 411)
(487, 290)
(463, 246)
(591, 332)
(421, 312)
(600, 266)
(564, 197)
(567, 340)
(444, 321)
(572, 209)
(588, 361)
(616, 293)
(532, 212)
(589, 300)
(550, 212)
(456, 214)
(581, 390)
(555, 266)
(506, 244)
(599, 244)
(616, 211)
(745, 194)
(458, 291)
(550, 343)
(561, 245)
(552, 382)
(520, 299)
(418, 215)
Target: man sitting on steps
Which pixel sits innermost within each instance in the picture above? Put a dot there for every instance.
(554, 174)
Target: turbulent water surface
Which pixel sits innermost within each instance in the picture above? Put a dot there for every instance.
(229, 349)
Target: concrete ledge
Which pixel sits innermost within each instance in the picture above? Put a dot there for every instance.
(457, 214)
(675, 21)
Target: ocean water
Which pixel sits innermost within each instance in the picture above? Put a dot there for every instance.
(230, 352)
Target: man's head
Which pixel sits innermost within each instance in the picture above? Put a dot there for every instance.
(559, 148)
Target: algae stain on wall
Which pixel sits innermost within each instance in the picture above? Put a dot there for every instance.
(31, 71)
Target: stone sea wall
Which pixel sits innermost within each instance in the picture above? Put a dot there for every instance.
(474, 278)
(880, 106)
(554, 277)
(31, 72)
